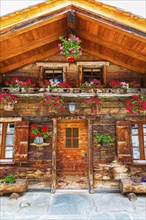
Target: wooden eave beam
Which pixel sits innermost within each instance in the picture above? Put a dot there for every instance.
(29, 60)
(31, 26)
(118, 48)
(117, 62)
(85, 16)
(30, 46)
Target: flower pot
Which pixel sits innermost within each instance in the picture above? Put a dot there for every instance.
(132, 90)
(23, 90)
(9, 106)
(38, 140)
(71, 59)
(60, 90)
(104, 144)
(30, 90)
(14, 90)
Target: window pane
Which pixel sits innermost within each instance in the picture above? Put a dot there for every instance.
(135, 141)
(134, 129)
(145, 152)
(68, 143)
(136, 153)
(144, 128)
(68, 132)
(0, 128)
(9, 140)
(145, 141)
(10, 135)
(75, 143)
(9, 152)
(75, 132)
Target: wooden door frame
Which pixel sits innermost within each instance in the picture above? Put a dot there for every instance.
(90, 156)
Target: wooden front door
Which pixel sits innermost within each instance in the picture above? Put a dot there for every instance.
(72, 158)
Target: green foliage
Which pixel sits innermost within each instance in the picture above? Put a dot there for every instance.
(8, 179)
(106, 138)
(70, 46)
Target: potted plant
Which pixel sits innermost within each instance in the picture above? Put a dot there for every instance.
(43, 84)
(28, 86)
(39, 134)
(104, 139)
(89, 87)
(8, 100)
(70, 47)
(136, 105)
(15, 84)
(51, 103)
(143, 179)
(10, 184)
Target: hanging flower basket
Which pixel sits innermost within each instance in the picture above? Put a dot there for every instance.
(8, 100)
(9, 106)
(136, 105)
(70, 47)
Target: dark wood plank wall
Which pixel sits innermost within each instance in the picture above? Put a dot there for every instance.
(113, 72)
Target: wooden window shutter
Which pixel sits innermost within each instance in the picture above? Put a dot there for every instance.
(124, 141)
(21, 142)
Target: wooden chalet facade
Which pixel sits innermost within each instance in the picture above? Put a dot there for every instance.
(114, 48)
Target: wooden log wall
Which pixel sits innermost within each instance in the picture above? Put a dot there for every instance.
(106, 170)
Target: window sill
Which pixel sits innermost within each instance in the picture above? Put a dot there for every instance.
(4, 161)
(139, 162)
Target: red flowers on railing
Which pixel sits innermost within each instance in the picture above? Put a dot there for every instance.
(136, 105)
(16, 83)
(125, 85)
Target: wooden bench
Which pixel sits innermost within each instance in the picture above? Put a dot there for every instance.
(128, 186)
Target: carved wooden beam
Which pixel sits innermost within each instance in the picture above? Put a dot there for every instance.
(71, 23)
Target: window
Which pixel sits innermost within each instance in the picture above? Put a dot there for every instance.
(92, 73)
(13, 140)
(72, 137)
(54, 74)
(138, 140)
(131, 142)
(6, 141)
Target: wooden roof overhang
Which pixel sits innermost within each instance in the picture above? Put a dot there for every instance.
(110, 34)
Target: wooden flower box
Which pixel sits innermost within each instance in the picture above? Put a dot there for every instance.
(18, 187)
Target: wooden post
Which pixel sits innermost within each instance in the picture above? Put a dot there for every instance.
(104, 74)
(90, 157)
(64, 73)
(41, 73)
(80, 74)
(54, 143)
